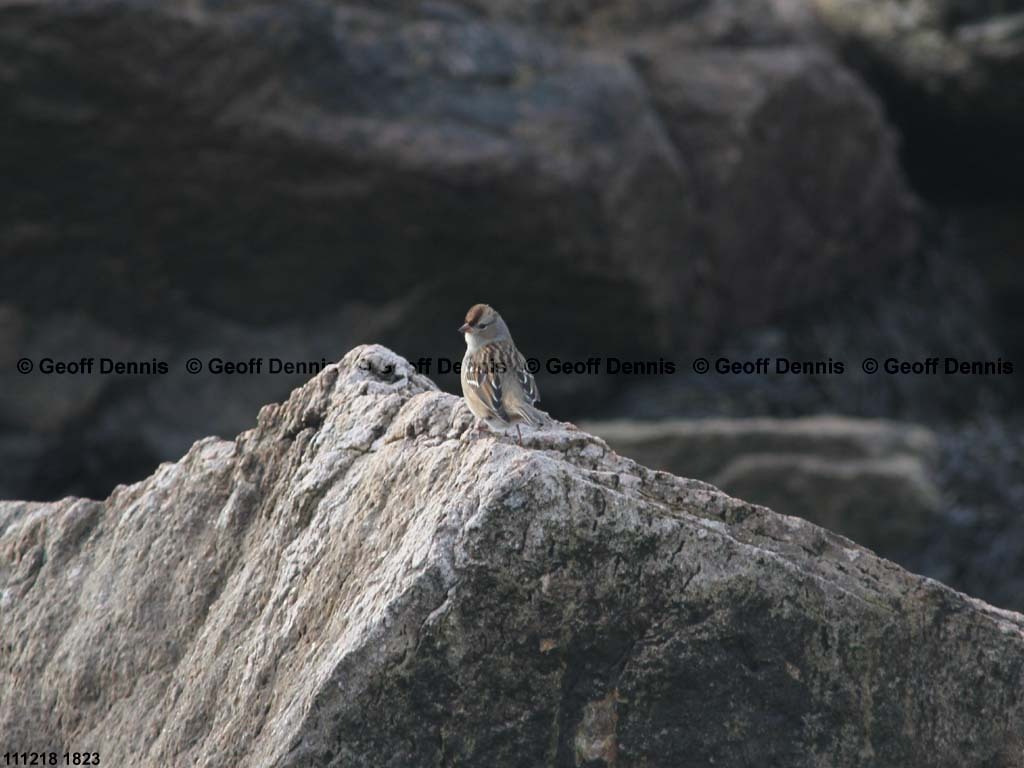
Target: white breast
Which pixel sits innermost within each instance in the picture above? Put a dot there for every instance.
(472, 342)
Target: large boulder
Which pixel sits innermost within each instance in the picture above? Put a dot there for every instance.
(950, 74)
(754, 126)
(234, 157)
(358, 582)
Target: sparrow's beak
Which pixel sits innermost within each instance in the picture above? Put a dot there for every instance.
(465, 328)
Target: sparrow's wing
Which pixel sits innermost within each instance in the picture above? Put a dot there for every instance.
(484, 375)
(520, 390)
(524, 377)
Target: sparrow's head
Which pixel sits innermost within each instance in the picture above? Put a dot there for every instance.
(483, 325)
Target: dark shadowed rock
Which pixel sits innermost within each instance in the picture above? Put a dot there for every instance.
(951, 73)
(871, 480)
(701, 22)
(355, 582)
(173, 171)
(336, 153)
(86, 432)
(756, 125)
(887, 504)
(332, 153)
(704, 447)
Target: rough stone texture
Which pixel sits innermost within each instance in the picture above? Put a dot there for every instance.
(355, 582)
(959, 48)
(869, 479)
(187, 171)
(979, 543)
(954, 47)
(739, 118)
(753, 22)
(951, 72)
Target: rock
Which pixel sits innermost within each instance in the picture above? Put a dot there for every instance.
(740, 119)
(703, 447)
(885, 504)
(84, 433)
(869, 479)
(978, 544)
(362, 145)
(951, 73)
(270, 166)
(990, 238)
(355, 582)
(697, 22)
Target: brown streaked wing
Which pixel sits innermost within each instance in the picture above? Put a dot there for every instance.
(526, 381)
(483, 375)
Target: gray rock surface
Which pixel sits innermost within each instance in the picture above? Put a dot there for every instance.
(355, 582)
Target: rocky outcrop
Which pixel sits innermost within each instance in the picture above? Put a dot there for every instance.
(978, 544)
(957, 49)
(951, 72)
(756, 22)
(365, 143)
(869, 479)
(84, 433)
(706, 447)
(267, 170)
(357, 582)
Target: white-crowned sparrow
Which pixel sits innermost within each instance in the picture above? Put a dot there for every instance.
(498, 387)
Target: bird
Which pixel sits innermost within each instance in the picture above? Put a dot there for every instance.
(496, 382)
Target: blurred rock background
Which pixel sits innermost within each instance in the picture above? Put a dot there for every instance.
(662, 178)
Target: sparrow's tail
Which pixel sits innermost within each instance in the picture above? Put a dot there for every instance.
(530, 415)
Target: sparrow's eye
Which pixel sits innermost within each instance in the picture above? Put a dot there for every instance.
(482, 325)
